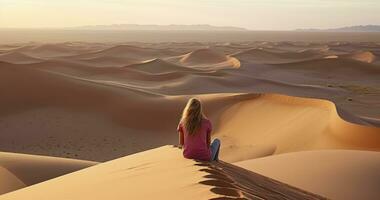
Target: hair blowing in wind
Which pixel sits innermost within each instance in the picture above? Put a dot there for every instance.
(192, 116)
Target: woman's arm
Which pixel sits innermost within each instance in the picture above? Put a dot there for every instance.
(181, 140)
(180, 135)
(208, 138)
(209, 135)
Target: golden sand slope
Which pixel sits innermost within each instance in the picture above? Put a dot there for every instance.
(160, 173)
(20, 170)
(273, 124)
(366, 56)
(336, 174)
(204, 56)
(207, 59)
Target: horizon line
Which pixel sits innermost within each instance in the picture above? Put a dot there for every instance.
(210, 25)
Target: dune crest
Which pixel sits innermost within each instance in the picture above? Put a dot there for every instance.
(187, 178)
(204, 56)
(208, 59)
(158, 66)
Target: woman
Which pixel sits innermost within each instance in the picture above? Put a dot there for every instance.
(195, 133)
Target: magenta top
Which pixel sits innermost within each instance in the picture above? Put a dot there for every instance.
(195, 145)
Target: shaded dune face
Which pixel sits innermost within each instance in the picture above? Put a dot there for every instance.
(18, 58)
(340, 66)
(50, 50)
(267, 56)
(104, 61)
(127, 51)
(104, 101)
(9, 182)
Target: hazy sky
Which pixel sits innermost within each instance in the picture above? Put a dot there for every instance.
(252, 14)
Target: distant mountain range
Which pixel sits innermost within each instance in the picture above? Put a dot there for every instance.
(361, 28)
(198, 27)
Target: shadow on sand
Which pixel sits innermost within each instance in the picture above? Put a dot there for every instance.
(232, 182)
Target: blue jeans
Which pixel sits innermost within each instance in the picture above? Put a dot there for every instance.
(215, 146)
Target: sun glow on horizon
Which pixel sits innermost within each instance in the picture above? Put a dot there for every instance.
(252, 14)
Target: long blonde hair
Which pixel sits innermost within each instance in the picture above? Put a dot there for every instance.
(192, 116)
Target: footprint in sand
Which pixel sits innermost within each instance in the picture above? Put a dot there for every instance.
(222, 178)
(228, 198)
(230, 192)
(217, 183)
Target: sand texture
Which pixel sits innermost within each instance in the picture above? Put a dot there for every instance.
(303, 113)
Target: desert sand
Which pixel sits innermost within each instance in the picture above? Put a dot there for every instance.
(21, 170)
(351, 174)
(160, 173)
(278, 107)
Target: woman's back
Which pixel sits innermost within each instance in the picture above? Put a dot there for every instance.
(196, 145)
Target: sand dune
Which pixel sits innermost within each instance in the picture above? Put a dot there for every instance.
(49, 50)
(259, 55)
(52, 101)
(55, 95)
(367, 56)
(104, 61)
(340, 175)
(127, 51)
(207, 59)
(301, 124)
(100, 101)
(21, 170)
(204, 56)
(61, 111)
(157, 66)
(68, 67)
(18, 58)
(335, 68)
(131, 75)
(187, 178)
(9, 182)
(8, 47)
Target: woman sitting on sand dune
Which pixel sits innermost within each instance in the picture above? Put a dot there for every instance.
(195, 133)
